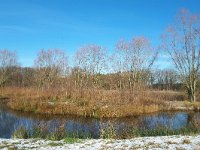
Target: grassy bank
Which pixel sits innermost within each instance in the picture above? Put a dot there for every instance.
(42, 131)
(95, 103)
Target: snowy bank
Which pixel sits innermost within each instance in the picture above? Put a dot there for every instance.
(165, 142)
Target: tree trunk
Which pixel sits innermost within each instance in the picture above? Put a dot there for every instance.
(191, 94)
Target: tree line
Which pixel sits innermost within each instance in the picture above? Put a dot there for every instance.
(128, 69)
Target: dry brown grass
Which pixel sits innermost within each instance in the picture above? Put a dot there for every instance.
(93, 103)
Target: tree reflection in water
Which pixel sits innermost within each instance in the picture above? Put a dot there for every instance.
(11, 120)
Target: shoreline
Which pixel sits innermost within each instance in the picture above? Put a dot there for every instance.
(158, 142)
(104, 105)
(173, 106)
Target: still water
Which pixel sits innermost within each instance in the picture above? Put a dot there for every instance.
(11, 120)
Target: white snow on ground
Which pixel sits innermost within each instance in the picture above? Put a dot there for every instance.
(154, 143)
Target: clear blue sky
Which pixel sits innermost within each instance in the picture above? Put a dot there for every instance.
(27, 26)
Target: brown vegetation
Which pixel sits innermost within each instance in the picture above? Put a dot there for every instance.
(97, 104)
(102, 85)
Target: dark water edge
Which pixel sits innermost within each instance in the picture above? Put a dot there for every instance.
(11, 120)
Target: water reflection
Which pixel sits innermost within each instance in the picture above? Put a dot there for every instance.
(166, 120)
(11, 120)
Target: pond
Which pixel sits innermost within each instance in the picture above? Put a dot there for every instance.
(11, 120)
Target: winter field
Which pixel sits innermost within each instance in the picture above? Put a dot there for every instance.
(157, 143)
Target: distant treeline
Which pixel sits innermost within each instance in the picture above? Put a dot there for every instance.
(90, 71)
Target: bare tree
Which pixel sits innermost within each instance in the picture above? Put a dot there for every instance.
(136, 58)
(90, 60)
(8, 63)
(28, 75)
(119, 61)
(50, 64)
(182, 41)
(165, 79)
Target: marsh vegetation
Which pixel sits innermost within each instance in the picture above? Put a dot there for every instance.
(56, 127)
(108, 84)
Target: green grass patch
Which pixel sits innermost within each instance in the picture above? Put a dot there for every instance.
(72, 140)
(55, 144)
